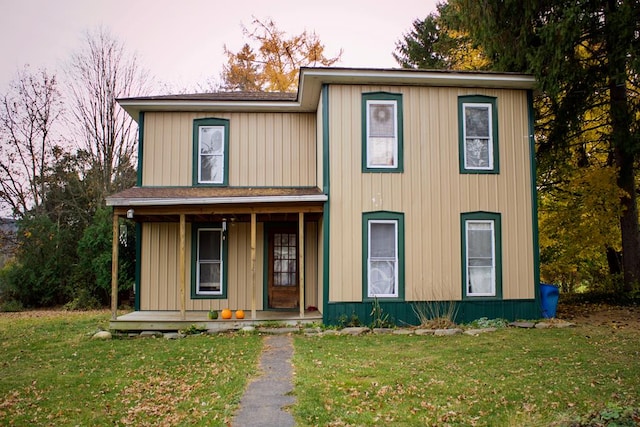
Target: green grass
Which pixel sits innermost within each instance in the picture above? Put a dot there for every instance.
(52, 373)
(512, 377)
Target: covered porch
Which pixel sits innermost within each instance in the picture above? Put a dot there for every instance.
(247, 218)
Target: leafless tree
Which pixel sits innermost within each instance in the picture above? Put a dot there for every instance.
(98, 74)
(28, 112)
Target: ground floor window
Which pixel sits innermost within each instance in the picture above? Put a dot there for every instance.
(383, 250)
(208, 266)
(481, 237)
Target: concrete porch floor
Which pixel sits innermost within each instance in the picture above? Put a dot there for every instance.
(173, 321)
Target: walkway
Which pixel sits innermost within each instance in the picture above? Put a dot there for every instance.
(267, 395)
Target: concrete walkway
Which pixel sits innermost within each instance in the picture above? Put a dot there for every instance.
(267, 395)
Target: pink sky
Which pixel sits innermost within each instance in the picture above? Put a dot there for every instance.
(181, 42)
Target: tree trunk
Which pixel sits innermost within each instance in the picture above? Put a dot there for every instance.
(618, 41)
(629, 219)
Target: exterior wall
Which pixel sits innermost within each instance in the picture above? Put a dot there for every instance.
(265, 149)
(431, 192)
(159, 272)
(319, 137)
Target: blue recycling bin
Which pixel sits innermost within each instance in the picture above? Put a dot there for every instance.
(549, 295)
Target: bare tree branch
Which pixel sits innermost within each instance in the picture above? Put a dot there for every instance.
(99, 74)
(27, 114)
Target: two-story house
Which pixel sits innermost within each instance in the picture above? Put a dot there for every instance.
(392, 185)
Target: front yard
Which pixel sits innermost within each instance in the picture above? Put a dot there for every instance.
(52, 373)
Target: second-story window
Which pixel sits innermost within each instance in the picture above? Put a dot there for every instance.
(211, 144)
(382, 132)
(478, 134)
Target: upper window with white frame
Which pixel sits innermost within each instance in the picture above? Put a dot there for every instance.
(211, 146)
(382, 132)
(478, 134)
(383, 247)
(482, 254)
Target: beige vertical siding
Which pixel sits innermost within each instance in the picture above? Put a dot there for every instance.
(320, 275)
(319, 146)
(273, 149)
(431, 192)
(159, 274)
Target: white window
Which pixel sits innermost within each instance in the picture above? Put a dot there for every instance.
(211, 154)
(382, 134)
(478, 136)
(382, 258)
(209, 265)
(480, 258)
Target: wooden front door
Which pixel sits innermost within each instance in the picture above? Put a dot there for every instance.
(283, 286)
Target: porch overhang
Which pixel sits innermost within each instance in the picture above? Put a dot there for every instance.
(155, 203)
(203, 204)
(190, 196)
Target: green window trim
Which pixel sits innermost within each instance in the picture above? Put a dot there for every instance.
(394, 111)
(195, 233)
(216, 126)
(478, 218)
(383, 217)
(479, 102)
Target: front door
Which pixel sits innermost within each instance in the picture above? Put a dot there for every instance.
(282, 283)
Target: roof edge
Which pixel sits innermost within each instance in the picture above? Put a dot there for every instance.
(310, 83)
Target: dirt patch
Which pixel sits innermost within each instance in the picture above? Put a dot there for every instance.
(601, 315)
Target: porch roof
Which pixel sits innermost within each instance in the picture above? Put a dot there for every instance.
(180, 196)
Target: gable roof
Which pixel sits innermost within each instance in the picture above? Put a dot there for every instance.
(310, 84)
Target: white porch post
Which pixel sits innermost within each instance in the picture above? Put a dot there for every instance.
(253, 265)
(114, 266)
(183, 312)
(301, 261)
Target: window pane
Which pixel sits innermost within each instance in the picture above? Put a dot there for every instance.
(476, 119)
(382, 276)
(292, 266)
(382, 120)
(382, 240)
(476, 153)
(480, 258)
(480, 244)
(381, 152)
(212, 140)
(211, 152)
(209, 277)
(211, 168)
(209, 245)
(383, 260)
(480, 280)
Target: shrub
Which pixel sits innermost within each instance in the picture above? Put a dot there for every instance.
(435, 314)
(11, 306)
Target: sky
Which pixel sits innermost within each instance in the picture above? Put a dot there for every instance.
(181, 43)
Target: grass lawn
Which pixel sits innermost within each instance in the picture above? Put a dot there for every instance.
(512, 377)
(52, 373)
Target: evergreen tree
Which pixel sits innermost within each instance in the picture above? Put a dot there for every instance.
(585, 56)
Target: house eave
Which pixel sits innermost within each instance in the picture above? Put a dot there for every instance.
(117, 202)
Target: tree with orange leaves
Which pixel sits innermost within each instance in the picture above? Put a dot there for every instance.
(271, 60)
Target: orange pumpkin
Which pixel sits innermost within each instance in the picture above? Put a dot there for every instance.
(239, 314)
(226, 313)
